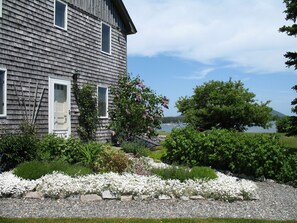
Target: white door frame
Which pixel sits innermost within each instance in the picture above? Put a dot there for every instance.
(52, 82)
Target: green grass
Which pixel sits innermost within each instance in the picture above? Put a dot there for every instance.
(134, 220)
(157, 153)
(289, 141)
(183, 173)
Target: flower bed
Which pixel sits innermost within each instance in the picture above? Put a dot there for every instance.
(57, 185)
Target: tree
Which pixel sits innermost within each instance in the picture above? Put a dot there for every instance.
(137, 109)
(225, 105)
(291, 14)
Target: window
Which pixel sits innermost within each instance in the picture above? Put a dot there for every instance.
(102, 101)
(0, 8)
(106, 37)
(2, 93)
(60, 19)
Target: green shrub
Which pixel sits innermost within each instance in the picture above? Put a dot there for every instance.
(89, 153)
(16, 148)
(52, 147)
(31, 170)
(35, 169)
(184, 173)
(111, 159)
(251, 154)
(288, 172)
(136, 148)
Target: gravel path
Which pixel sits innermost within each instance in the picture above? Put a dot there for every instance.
(277, 202)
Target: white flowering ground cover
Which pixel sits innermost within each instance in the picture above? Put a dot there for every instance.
(57, 185)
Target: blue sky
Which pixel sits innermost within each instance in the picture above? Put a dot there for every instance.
(183, 44)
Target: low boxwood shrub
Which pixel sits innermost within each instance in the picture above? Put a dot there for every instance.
(183, 173)
(136, 148)
(251, 154)
(16, 148)
(35, 169)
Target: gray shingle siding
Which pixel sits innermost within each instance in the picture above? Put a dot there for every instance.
(33, 49)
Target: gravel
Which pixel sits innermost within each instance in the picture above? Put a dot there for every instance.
(277, 202)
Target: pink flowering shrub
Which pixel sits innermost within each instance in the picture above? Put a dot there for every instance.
(137, 109)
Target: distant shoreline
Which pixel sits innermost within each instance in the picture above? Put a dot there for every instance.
(167, 127)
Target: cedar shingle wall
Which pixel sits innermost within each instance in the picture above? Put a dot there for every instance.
(32, 50)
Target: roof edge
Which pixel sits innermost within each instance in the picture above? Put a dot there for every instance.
(131, 29)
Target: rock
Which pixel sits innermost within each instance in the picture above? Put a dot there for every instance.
(184, 198)
(197, 197)
(33, 195)
(108, 195)
(126, 198)
(90, 198)
(164, 197)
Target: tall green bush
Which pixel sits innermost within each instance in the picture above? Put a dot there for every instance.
(251, 154)
(137, 109)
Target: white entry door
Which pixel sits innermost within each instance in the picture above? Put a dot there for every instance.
(59, 107)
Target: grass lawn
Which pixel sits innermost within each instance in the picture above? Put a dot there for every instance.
(290, 141)
(133, 220)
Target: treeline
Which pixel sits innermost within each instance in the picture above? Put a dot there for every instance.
(175, 119)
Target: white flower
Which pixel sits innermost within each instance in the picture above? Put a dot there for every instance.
(60, 185)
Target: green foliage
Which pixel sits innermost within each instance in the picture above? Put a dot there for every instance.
(89, 153)
(111, 159)
(287, 124)
(224, 105)
(17, 148)
(136, 148)
(251, 154)
(289, 170)
(137, 109)
(201, 172)
(184, 173)
(35, 169)
(291, 14)
(283, 124)
(157, 153)
(52, 147)
(88, 112)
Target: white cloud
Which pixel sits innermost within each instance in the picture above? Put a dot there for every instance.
(243, 33)
(198, 75)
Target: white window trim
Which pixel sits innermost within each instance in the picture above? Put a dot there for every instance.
(5, 93)
(0, 8)
(66, 14)
(109, 38)
(107, 104)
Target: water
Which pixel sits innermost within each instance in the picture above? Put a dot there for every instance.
(169, 126)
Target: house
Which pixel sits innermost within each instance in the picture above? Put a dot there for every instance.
(44, 44)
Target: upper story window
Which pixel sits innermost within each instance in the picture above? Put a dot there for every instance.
(2, 92)
(102, 101)
(60, 19)
(0, 8)
(106, 38)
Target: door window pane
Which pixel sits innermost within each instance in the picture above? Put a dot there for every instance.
(60, 107)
